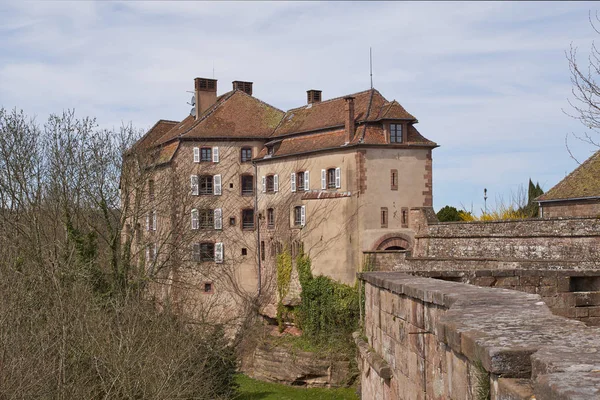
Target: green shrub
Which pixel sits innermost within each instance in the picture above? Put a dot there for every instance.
(448, 214)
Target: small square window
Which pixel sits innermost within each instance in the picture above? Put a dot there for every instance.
(207, 287)
(232, 221)
(231, 186)
(244, 251)
(246, 154)
(206, 154)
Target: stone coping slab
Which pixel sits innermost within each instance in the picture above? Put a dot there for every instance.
(513, 334)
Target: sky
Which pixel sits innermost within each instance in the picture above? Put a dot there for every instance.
(488, 81)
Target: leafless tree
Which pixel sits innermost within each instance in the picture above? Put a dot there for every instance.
(585, 103)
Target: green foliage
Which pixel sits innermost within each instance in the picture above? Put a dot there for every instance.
(328, 309)
(252, 389)
(448, 214)
(284, 276)
(531, 210)
(482, 377)
(303, 265)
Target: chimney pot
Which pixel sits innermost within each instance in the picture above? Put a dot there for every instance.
(245, 87)
(313, 96)
(205, 90)
(349, 119)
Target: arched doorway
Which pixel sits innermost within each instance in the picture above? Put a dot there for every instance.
(393, 241)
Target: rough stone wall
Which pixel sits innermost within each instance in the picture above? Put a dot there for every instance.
(534, 239)
(383, 260)
(430, 339)
(571, 209)
(569, 293)
(299, 368)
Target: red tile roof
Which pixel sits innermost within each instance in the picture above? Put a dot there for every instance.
(234, 115)
(581, 183)
(154, 134)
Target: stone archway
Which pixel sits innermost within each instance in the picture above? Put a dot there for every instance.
(393, 241)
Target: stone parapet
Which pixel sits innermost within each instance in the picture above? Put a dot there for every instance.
(448, 340)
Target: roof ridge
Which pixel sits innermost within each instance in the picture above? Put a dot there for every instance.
(333, 99)
(259, 100)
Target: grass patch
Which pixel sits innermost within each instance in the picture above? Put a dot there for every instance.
(252, 389)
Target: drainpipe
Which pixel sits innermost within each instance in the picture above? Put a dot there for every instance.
(258, 227)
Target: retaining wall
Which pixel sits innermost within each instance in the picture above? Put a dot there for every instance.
(433, 339)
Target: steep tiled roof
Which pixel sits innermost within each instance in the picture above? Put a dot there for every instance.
(234, 115)
(166, 153)
(154, 134)
(582, 182)
(366, 134)
(393, 110)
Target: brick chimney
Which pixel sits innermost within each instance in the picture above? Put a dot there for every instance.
(313, 96)
(349, 118)
(205, 91)
(245, 87)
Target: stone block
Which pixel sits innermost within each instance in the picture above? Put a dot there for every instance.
(582, 312)
(594, 311)
(563, 283)
(457, 369)
(529, 280)
(416, 316)
(546, 291)
(485, 281)
(587, 298)
(528, 289)
(548, 281)
(507, 281)
(513, 389)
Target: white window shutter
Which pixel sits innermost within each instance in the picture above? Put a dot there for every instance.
(338, 178)
(148, 221)
(194, 219)
(306, 181)
(194, 184)
(217, 184)
(219, 253)
(293, 182)
(148, 253)
(196, 154)
(154, 220)
(196, 252)
(264, 184)
(218, 218)
(215, 154)
(276, 183)
(323, 179)
(303, 215)
(155, 255)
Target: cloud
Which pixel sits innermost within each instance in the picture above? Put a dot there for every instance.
(487, 81)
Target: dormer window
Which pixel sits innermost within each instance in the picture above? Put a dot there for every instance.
(270, 150)
(395, 133)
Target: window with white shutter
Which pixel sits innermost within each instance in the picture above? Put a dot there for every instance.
(306, 180)
(219, 253)
(323, 179)
(154, 218)
(196, 252)
(218, 218)
(293, 181)
(194, 184)
(148, 253)
(155, 255)
(148, 221)
(196, 154)
(338, 178)
(264, 184)
(276, 183)
(217, 184)
(215, 154)
(303, 215)
(194, 219)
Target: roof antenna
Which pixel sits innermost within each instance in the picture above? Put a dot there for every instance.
(213, 69)
(371, 65)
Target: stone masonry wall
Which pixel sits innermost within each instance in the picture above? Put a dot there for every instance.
(431, 339)
(533, 239)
